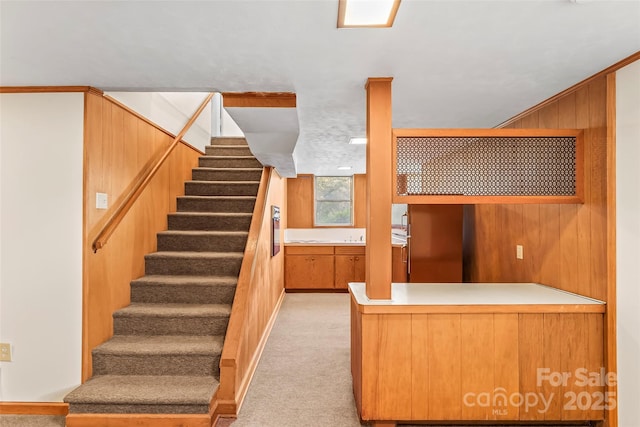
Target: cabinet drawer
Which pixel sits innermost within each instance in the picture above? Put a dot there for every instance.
(350, 250)
(308, 250)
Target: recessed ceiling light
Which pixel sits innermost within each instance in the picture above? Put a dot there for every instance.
(358, 141)
(367, 13)
(344, 168)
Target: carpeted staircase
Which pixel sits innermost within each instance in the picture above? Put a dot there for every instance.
(165, 352)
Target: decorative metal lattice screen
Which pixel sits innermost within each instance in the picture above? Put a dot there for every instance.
(486, 166)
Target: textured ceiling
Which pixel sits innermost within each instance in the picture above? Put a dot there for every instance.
(454, 63)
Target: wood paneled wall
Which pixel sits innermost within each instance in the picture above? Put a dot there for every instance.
(565, 246)
(438, 367)
(254, 308)
(300, 201)
(118, 147)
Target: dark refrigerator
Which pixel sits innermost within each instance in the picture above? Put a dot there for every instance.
(434, 243)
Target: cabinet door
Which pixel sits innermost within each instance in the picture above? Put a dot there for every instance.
(359, 268)
(298, 272)
(344, 270)
(309, 271)
(322, 271)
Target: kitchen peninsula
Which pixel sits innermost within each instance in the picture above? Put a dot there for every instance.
(477, 351)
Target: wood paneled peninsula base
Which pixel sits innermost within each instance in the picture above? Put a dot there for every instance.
(477, 352)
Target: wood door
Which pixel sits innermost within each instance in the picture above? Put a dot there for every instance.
(435, 245)
(344, 271)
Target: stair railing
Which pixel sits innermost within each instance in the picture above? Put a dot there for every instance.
(235, 361)
(138, 187)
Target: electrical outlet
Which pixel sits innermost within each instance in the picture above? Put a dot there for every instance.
(101, 201)
(519, 252)
(5, 352)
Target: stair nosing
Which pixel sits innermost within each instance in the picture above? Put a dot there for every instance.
(199, 181)
(203, 232)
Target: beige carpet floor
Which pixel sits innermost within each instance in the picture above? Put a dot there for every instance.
(31, 421)
(304, 378)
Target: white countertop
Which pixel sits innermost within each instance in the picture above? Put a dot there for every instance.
(404, 294)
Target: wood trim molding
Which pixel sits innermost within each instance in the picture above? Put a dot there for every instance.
(259, 99)
(622, 63)
(149, 122)
(480, 200)
(480, 309)
(610, 332)
(34, 408)
(483, 132)
(138, 420)
(342, 9)
(53, 89)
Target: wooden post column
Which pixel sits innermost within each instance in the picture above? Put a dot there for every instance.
(378, 257)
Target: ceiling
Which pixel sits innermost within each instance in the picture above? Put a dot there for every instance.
(454, 63)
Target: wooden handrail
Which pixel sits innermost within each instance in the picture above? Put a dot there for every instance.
(121, 210)
(238, 311)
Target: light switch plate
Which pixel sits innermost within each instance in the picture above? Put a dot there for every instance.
(5, 352)
(101, 201)
(519, 252)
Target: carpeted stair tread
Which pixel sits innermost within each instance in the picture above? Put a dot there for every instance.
(186, 280)
(216, 203)
(193, 233)
(145, 390)
(184, 289)
(229, 162)
(209, 221)
(189, 263)
(226, 174)
(173, 310)
(228, 140)
(228, 150)
(202, 241)
(161, 344)
(221, 188)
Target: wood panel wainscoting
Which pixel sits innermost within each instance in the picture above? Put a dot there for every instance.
(259, 294)
(119, 146)
(460, 364)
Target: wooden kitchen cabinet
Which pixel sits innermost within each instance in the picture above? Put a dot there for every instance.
(309, 267)
(399, 264)
(323, 267)
(350, 265)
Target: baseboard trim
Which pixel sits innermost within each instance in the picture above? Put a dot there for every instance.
(138, 420)
(34, 408)
(244, 386)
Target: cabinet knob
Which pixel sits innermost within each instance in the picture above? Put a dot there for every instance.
(357, 258)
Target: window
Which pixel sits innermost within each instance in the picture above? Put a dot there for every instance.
(334, 200)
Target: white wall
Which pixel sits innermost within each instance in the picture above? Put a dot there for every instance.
(628, 238)
(41, 143)
(171, 111)
(228, 126)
